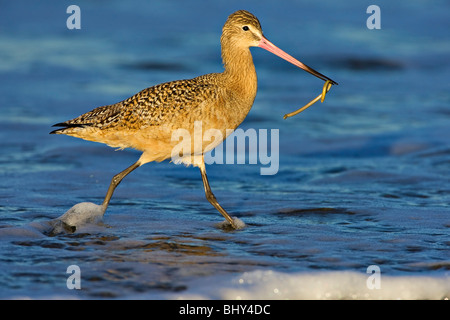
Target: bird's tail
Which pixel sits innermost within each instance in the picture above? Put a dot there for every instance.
(67, 127)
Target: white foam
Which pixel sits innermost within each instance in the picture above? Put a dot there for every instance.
(82, 213)
(226, 225)
(274, 285)
(79, 215)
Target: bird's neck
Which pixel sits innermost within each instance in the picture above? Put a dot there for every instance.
(240, 73)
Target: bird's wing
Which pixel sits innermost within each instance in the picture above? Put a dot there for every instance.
(149, 107)
(164, 102)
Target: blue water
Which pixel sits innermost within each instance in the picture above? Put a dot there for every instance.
(363, 178)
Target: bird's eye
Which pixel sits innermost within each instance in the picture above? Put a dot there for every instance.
(245, 28)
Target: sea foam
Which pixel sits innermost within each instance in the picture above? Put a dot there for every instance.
(79, 215)
(332, 285)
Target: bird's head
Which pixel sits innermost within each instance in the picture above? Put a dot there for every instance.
(243, 30)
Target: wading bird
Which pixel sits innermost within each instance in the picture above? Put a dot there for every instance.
(220, 101)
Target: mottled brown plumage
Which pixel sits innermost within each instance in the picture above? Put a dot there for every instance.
(147, 120)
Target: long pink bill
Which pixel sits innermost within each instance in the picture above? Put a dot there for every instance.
(269, 46)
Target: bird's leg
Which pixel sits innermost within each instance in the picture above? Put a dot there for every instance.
(211, 198)
(115, 182)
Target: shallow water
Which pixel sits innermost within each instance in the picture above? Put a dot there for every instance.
(363, 178)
